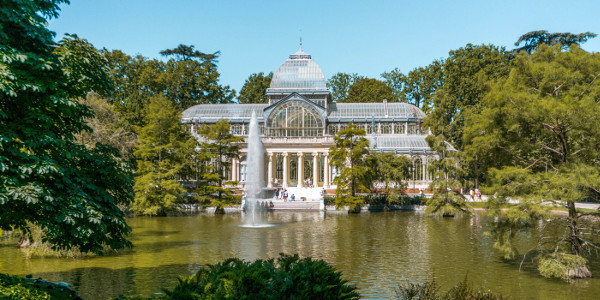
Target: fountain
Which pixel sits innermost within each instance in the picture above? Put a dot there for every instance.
(254, 174)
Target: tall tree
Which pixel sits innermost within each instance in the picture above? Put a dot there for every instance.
(255, 88)
(421, 85)
(107, 127)
(466, 72)
(46, 177)
(533, 39)
(220, 146)
(135, 80)
(192, 78)
(369, 90)
(540, 129)
(389, 169)
(339, 85)
(187, 52)
(349, 155)
(446, 201)
(161, 157)
(397, 82)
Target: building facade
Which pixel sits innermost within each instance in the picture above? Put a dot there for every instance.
(299, 122)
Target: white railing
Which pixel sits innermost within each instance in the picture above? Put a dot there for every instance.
(297, 140)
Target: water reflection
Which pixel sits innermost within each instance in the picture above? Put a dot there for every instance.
(375, 251)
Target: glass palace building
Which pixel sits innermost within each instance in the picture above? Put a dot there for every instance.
(299, 122)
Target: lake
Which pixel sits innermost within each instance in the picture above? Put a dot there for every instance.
(374, 251)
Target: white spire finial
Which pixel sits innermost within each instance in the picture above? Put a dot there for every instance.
(300, 43)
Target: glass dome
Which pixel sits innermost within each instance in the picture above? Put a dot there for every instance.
(299, 72)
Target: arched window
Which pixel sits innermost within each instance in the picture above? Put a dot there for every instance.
(332, 128)
(295, 118)
(386, 128)
(418, 169)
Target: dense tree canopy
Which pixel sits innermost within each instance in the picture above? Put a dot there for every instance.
(188, 79)
(396, 81)
(349, 156)
(422, 83)
(533, 39)
(161, 157)
(539, 129)
(370, 90)
(255, 88)
(219, 147)
(339, 85)
(47, 178)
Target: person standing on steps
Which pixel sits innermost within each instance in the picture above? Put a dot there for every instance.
(285, 195)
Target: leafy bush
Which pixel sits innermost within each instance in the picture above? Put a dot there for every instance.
(17, 288)
(431, 291)
(288, 277)
(564, 266)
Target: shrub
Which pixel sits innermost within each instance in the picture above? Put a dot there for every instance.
(431, 291)
(564, 266)
(288, 277)
(17, 288)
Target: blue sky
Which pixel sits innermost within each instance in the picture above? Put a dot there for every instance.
(364, 37)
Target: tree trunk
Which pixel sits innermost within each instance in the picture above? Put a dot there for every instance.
(574, 231)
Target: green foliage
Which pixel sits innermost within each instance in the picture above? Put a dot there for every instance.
(218, 148)
(466, 73)
(446, 200)
(288, 277)
(369, 90)
(397, 82)
(563, 266)
(349, 155)
(17, 288)
(187, 52)
(422, 83)
(539, 135)
(85, 67)
(46, 177)
(161, 156)
(188, 79)
(390, 169)
(339, 85)
(107, 127)
(255, 88)
(430, 290)
(533, 39)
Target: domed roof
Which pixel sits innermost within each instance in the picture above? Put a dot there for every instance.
(299, 72)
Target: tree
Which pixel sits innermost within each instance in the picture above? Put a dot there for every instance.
(161, 157)
(540, 129)
(192, 78)
(135, 80)
(389, 169)
(421, 85)
(466, 72)
(187, 52)
(219, 146)
(533, 39)
(446, 201)
(255, 88)
(397, 82)
(349, 156)
(46, 178)
(339, 85)
(369, 90)
(107, 127)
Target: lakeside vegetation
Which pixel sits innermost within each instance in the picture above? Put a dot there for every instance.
(88, 134)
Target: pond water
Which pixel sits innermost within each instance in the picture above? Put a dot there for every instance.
(374, 251)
